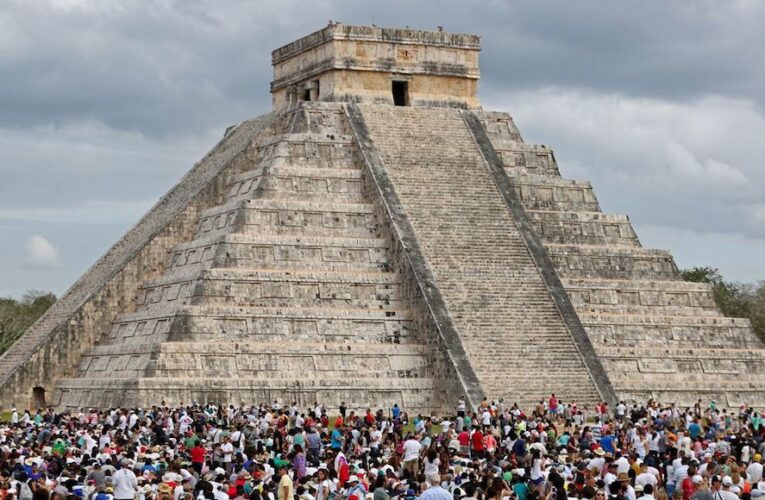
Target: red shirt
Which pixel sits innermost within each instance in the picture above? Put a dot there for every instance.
(464, 438)
(688, 489)
(198, 455)
(477, 439)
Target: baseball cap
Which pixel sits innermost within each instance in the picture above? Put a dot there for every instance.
(727, 481)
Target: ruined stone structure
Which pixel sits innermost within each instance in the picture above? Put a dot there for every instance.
(379, 238)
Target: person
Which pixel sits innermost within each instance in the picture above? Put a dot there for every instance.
(412, 447)
(286, 486)
(537, 469)
(198, 453)
(702, 491)
(754, 471)
(476, 440)
(298, 462)
(227, 452)
(552, 406)
(337, 439)
(378, 489)
(125, 482)
(435, 491)
(647, 492)
(97, 476)
(356, 490)
(431, 462)
(725, 493)
(325, 486)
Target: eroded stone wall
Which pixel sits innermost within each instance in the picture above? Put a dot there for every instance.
(52, 347)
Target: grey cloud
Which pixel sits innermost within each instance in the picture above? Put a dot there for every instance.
(116, 100)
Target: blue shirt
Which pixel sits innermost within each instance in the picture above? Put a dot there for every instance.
(607, 443)
(694, 429)
(336, 440)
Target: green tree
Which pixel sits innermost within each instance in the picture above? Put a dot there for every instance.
(734, 299)
(18, 315)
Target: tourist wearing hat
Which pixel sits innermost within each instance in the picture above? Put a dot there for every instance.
(725, 493)
(356, 490)
(702, 491)
(125, 482)
(754, 471)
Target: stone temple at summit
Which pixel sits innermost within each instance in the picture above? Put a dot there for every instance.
(378, 237)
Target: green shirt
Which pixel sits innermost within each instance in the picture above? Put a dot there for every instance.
(190, 441)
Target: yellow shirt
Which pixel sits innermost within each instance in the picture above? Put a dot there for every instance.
(286, 483)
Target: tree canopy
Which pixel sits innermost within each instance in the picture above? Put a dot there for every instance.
(740, 300)
(18, 315)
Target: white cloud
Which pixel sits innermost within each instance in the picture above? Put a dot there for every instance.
(690, 165)
(737, 256)
(41, 253)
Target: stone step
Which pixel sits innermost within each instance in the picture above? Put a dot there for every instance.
(689, 353)
(273, 251)
(261, 360)
(660, 320)
(412, 394)
(272, 204)
(700, 382)
(234, 324)
(670, 332)
(297, 217)
(538, 192)
(293, 347)
(687, 370)
(582, 228)
(612, 262)
(372, 277)
(288, 182)
(648, 309)
(472, 244)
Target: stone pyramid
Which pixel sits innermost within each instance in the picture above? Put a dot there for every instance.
(379, 238)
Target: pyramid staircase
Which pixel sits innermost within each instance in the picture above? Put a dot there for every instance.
(285, 291)
(658, 336)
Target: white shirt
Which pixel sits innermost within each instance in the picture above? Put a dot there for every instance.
(412, 449)
(597, 464)
(622, 465)
(646, 478)
(227, 449)
(725, 495)
(436, 493)
(125, 484)
(754, 471)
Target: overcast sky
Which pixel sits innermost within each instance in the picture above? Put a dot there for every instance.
(105, 104)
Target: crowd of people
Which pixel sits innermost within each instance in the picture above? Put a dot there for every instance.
(273, 451)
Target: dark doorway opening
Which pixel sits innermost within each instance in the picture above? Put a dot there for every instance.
(400, 93)
(38, 397)
(306, 95)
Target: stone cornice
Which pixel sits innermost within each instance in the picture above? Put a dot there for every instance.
(374, 33)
